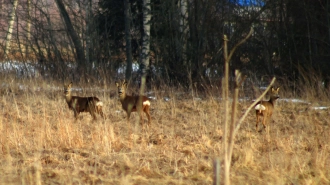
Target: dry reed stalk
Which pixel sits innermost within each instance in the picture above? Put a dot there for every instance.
(227, 150)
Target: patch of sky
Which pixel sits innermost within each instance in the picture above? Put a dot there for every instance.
(248, 2)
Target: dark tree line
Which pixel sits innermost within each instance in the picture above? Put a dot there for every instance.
(289, 35)
(291, 38)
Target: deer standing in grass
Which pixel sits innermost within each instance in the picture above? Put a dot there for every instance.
(78, 104)
(265, 108)
(131, 103)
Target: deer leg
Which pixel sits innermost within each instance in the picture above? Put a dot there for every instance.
(128, 115)
(100, 112)
(146, 110)
(139, 111)
(93, 115)
(76, 114)
(91, 109)
(141, 117)
(92, 112)
(264, 121)
(102, 115)
(258, 118)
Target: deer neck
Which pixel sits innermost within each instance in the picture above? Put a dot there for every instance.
(68, 97)
(122, 96)
(272, 99)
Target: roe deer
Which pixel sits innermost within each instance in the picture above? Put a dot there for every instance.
(265, 108)
(82, 104)
(130, 103)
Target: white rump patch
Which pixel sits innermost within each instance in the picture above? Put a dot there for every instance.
(260, 107)
(146, 102)
(99, 104)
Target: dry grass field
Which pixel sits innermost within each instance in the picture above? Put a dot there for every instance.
(41, 143)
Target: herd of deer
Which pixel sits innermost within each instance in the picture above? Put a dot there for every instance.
(140, 104)
(94, 105)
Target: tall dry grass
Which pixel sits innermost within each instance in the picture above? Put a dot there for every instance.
(41, 143)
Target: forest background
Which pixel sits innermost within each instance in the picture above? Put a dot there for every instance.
(290, 40)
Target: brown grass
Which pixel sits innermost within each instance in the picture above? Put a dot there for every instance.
(42, 144)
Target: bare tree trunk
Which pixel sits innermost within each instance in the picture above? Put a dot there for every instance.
(309, 36)
(184, 28)
(128, 37)
(10, 27)
(80, 55)
(89, 46)
(183, 6)
(28, 28)
(1, 3)
(328, 18)
(225, 90)
(58, 55)
(146, 44)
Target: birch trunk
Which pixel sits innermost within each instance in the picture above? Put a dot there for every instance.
(145, 44)
(10, 27)
(184, 28)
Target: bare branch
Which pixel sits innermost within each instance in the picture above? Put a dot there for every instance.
(241, 42)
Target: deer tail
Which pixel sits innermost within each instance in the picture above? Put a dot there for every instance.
(260, 107)
(99, 104)
(147, 102)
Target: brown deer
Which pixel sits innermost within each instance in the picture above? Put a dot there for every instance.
(78, 104)
(265, 108)
(130, 103)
